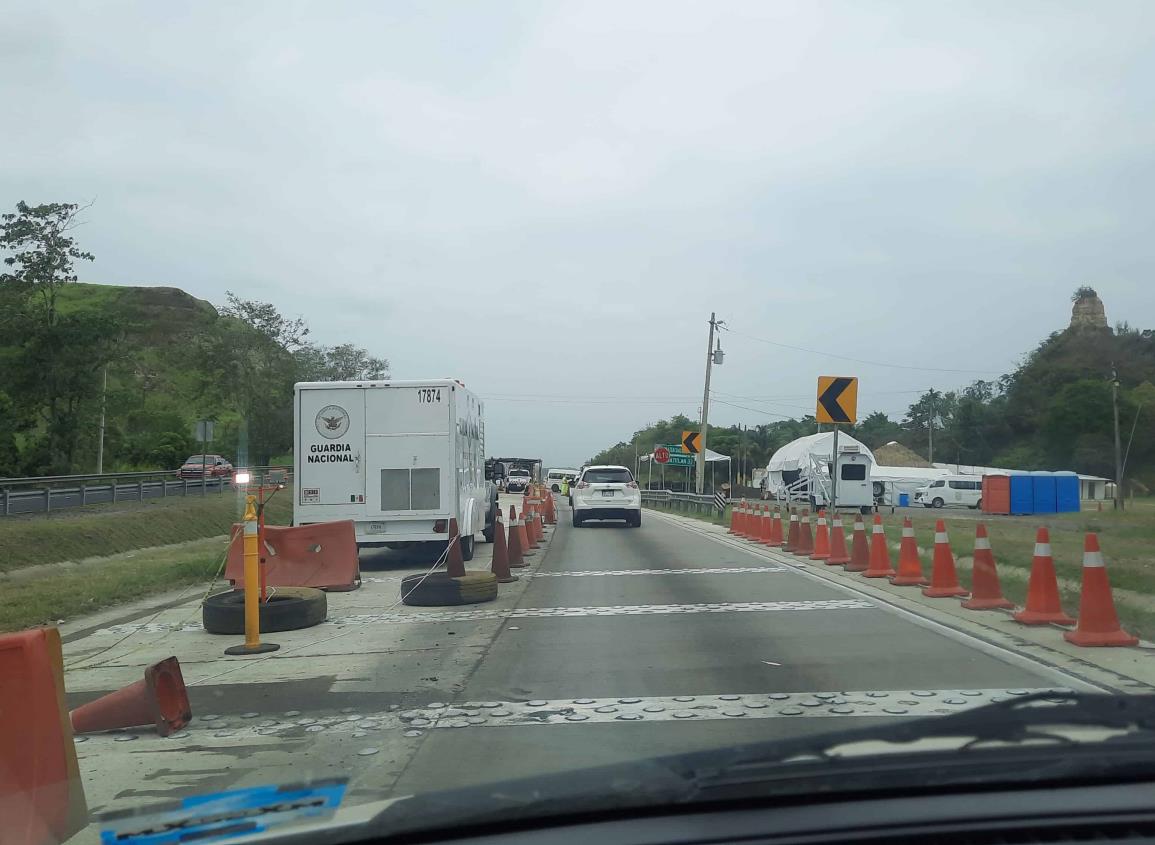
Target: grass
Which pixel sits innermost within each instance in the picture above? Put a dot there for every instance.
(62, 596)
(102, 530)
(1127, 540)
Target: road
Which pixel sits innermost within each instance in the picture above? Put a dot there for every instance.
(615, 644)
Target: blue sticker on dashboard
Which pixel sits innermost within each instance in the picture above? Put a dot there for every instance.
(223, 815)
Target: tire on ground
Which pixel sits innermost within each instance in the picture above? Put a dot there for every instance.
(440, 589)
(288, 609)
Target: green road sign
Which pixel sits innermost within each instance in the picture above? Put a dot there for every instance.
(675, 448)
(680, 460)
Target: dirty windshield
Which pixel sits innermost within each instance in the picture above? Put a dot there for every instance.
(843, 309)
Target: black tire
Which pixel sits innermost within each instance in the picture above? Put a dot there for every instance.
(490, 524)
(634, 520)
(441, 590)
(467, 547)
(577, 520)
(937, 503)
(979, 505)
(288, 609)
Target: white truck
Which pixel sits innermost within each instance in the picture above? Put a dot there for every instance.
(399, 458)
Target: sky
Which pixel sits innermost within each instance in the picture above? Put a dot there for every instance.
(547, 200)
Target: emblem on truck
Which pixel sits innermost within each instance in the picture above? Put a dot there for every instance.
(332, 422)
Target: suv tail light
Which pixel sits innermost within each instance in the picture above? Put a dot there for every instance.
(440, 526)
(633, 485)
(581, 485)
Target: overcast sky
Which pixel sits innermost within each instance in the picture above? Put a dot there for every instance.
(547, 200)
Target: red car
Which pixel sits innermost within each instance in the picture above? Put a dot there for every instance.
(214, 466)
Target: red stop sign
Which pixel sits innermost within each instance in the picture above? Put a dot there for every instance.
(662, 455)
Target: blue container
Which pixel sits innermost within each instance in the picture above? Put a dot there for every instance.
(1022, 494)
(904, 500)
(1046, 495)
(1067, 492)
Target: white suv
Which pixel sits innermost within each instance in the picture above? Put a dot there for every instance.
(607, 492)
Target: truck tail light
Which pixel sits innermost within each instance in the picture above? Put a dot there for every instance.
(440, 526)
(581, 485)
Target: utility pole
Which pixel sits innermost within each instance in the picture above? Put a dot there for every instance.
(930, 427)
(103, 403)
(710, 356)
(1118, 448)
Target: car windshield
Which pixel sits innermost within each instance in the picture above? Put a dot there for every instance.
(607, 476)
(332, 240)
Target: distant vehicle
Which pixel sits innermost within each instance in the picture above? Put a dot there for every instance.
(206, 466)
(518, 480)
(606, 492)
(399, 458)
(956, 490)
(555, 477)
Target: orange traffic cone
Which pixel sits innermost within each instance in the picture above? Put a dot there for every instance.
(500, 564)
(533, 525)
(523, 537)
(1098, 622)
(550, 510)
(879, 554)
(1043, 604)
(821, 540)
(766, 535)
(454, 562)
(160, 699)
(792, 534)
(943, 578)
(986, 592)
(909, 564)
(859, 548)
(515, 549)
(743, 519)
(838, 555)
(733, 519)
(776, 528)
(805, 538)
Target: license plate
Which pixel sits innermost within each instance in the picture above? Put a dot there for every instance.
(607, 492)
(376, 528)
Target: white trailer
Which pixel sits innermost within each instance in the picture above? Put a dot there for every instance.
(399, 458)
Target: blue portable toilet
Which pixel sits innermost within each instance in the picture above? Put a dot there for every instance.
(1046, 497)
(1067, 493)
(1022, 493)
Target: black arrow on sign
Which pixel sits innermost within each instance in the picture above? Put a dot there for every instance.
(829, 400)
(690, 442)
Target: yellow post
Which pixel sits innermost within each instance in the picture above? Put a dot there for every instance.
(252, 586)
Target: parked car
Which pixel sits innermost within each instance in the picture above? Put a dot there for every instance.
(959, 490)
(607, 492)
(213, 466)
(518, 481)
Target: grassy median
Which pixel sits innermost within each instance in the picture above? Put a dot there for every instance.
(1127, 540)
(90, 559)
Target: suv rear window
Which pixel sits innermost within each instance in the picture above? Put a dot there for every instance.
(607, 476)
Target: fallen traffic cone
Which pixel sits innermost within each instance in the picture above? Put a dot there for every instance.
(986, 592)
(879, 554)
(859, 548)
(909, 564)
(454, 562)
(160, 699)
(1098, 623)
(776, 529)
(500, 564)
(943, 578)
(821, 540)
(1043, 604)
(792, 534)
(516, 549)
(805, 538)
(838, 555)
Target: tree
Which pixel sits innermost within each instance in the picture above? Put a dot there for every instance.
(339, 363)
(877, 429)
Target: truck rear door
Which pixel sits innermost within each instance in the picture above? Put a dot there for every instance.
(408, 446)
(331, 439)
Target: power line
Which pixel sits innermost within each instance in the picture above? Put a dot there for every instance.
(855, 360)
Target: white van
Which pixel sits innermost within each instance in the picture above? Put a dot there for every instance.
(957, 490)
(555, 477)
(399, 458)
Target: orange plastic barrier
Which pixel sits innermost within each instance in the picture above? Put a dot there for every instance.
(41, 795)
(323, 555)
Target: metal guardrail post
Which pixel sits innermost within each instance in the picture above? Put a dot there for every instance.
(114, 490)
(140, 490)
(184, 487)
(6, 495)
(47, 500)
(83, 494)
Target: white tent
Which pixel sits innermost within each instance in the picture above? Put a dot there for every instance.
(806, 457)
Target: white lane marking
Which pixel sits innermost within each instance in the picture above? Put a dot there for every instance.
(227, 730)
(1004, 653)
(542, 613)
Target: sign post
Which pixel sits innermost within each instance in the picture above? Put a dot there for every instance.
(837, 403)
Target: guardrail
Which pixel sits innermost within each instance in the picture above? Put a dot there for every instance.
(704, 503)
(44, 494)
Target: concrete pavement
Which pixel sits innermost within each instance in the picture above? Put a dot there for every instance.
(616, 643)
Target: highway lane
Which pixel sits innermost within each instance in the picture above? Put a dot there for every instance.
(646, 640)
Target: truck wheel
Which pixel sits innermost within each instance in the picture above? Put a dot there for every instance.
(490, 527)
(467, 547)
(439, 589)
(288, 609)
